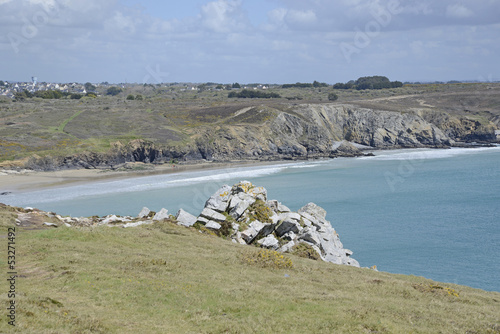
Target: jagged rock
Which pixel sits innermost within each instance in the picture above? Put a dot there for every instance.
(269, 242)
(144, 213)
(202, 220)
(287, 247)
(213, 225)
(213, 215)
(185, 218)
(109, 219)
(162, 214)
(308, 225)
(290, 236)
(288, 225)
(50, 224)
(239, 204)
(277, 206)
(310, 235)
(249, 234)
(219, 200)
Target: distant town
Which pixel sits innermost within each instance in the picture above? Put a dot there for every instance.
(10, 88)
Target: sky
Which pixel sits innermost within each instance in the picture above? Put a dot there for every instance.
(248, 41)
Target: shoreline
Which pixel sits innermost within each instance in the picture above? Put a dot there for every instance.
(15, 183)
(39, 180)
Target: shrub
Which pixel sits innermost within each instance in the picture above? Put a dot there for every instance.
(113, 91)
(260, 211)
(267, 259)
(306, 251)
(76, 96)
(130, 97)
(332, 97)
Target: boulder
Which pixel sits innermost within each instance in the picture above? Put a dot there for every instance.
(162, 214)
(185, 218)
(213, 215)
(287, 247)
(269, 242)
(311, 236)
(219, 200)
(239, 204)
(144, 213)
(213, 225)
(249, 235)
(202, 220)
(314, 210)
(288, 225)
(50, 224)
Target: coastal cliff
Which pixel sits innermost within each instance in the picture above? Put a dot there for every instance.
(288, 131)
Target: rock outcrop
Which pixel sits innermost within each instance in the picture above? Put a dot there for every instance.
(244, 214)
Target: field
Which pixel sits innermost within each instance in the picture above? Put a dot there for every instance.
(163, 278)
(173, 117)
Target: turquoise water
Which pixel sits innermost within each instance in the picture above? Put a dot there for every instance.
(431, 213)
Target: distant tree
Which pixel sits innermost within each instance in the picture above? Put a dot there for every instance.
(113, 91)
(2, 83)
(317, 84)
(139, 97)
(91, 95)
(253, 94)
(228, 87)
(130, 97)
(89, 87)
(220, 87)
(76, 96)
(236, 85)
(332, 97)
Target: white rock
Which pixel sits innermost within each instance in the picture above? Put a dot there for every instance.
(67, 225)
(256, 225)
(145, 222)
(212, 215)
(202, 220)
(185, 218)
(219, 200)
(311, 236)
(144, 213)
(249, 234)
(50, 224)
(269, 242)
(213, 225)
(287, 247)
(162, 214)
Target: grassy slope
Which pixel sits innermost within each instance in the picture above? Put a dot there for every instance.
(168, 279)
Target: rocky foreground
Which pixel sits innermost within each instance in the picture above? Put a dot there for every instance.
(241, 213)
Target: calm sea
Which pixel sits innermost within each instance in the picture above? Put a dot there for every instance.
(424, 212)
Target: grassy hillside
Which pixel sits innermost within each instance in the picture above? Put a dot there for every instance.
(163, 278)
(170, 116)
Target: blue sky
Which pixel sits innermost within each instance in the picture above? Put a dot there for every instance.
(247, 41)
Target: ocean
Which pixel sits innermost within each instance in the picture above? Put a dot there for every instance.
(424, 212)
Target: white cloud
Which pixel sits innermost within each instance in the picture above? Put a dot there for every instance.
(301, 17)
(222, 16)
(458, 11)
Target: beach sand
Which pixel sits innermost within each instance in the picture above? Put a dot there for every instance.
(30, 180)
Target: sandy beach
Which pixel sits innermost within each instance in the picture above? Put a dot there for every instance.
(32, 180)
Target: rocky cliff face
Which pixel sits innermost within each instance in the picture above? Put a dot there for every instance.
(290, 132)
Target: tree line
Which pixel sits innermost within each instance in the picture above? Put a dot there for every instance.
(374, 82)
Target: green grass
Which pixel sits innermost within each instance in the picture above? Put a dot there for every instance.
(164, 278)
